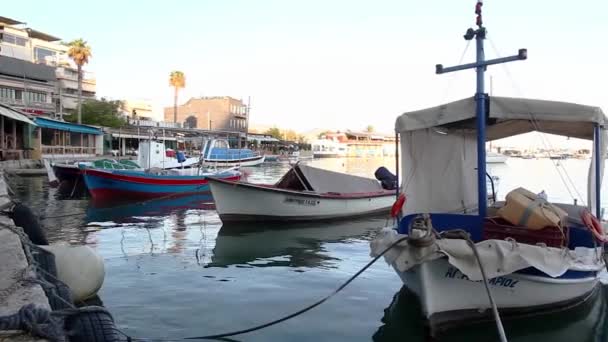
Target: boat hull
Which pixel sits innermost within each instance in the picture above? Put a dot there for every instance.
(498, 159)
(254, 161)
(111, 186)
(68, 173)
(327, 155)
(238, 202)
(449, 298)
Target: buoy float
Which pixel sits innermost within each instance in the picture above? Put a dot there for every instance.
(594, 225)
(80, 268)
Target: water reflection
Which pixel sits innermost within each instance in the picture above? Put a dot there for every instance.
(159, 208)
(292, 245)
(586, 322)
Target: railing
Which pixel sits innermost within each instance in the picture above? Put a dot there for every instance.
(67, 150)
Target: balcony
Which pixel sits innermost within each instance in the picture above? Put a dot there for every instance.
(31, 106)
(72, 75)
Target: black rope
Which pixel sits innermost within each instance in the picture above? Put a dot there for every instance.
(308, 308)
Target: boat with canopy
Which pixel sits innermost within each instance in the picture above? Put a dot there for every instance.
(455, 246)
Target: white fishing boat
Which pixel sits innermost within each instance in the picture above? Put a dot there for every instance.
(304, 193)
(456, 254)
(152, 154)
(328, 148)
(495, 158)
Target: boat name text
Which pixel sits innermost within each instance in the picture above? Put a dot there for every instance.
(454, 273)
(300, 201)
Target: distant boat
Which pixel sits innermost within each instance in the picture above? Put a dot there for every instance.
(304, 193)
(327, 148)
(495, 158)
(217, 152)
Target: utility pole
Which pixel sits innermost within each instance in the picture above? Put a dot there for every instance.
(247, 121)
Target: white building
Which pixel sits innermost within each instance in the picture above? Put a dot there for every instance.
(26, 44)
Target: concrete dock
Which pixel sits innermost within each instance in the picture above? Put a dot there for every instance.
(14, 293)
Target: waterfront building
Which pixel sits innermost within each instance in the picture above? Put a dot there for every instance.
(219, 113)
(138, 109)
(360, 144)
(15, 134)
(55, 139)
(27, 86)
(35, 47)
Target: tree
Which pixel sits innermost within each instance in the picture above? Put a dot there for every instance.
(290, 135)
(101, 113)
(322, 134)
(177, 80)
(80, 53)
(369, 128)
(274, 132)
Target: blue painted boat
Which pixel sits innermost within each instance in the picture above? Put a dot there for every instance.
(112, 185)
(217, 152)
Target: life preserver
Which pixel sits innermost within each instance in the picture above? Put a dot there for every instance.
(399, 203)
(594, 225)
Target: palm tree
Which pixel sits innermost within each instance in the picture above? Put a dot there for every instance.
(80, 53)
(177, 80)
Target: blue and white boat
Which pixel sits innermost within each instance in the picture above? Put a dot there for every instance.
(118, 185)
(217, 152)
(444, 185)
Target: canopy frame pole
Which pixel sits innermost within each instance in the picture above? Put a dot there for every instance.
(481, 99)
(598, 159)
(397, 189)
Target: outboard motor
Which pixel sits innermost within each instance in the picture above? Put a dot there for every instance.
(386, 178)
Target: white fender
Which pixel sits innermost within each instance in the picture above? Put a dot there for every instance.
(80, 268)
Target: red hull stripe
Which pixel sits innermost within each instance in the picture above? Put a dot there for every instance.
(178, 180)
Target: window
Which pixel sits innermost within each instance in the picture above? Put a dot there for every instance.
(7, 93)
(34, 96)
(20, 41)
(12, 39)
(41, 53)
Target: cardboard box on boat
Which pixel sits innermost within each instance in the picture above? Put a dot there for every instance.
(525, 208)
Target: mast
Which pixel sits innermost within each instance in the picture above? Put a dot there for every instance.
(481, 98)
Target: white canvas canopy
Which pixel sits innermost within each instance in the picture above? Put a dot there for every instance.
(303, 177)
(439, 146)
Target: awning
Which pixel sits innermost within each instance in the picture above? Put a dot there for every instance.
(15, 115)
(67, 126)
(262, 139)
(511, 116)
(142, 137)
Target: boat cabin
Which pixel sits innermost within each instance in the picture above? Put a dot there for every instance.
(439, 153)
(219, 149)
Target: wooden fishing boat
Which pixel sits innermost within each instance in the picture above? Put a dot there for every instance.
(71, 172)
(456, 246)
(113, 185)
(304, 193)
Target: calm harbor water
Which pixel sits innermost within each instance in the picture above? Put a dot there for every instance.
(173, 271)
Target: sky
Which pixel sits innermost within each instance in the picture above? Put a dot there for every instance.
(331, 64)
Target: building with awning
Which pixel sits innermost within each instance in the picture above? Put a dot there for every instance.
(60, 138)
(15, 134)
